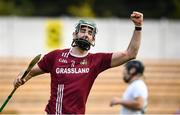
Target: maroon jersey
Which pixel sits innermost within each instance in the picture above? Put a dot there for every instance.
(71, 79)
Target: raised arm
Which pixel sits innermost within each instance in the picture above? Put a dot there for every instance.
(34, 72)
(119, 58)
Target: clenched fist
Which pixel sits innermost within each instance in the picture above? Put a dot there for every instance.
(137, 18)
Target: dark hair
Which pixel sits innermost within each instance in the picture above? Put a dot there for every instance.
(135, 64)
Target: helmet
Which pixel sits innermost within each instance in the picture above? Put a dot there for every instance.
(88, 23)
(82, 43)
(135, 64)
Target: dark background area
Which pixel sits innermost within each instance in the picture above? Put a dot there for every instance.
(153, 9)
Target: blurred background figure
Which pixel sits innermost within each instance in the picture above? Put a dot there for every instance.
(134, 101)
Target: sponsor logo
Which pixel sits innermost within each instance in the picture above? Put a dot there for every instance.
(71, 70)
(62, 60)
(84, 62)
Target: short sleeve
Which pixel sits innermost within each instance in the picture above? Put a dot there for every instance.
(102, 61)
(46, 63)
(140, 90)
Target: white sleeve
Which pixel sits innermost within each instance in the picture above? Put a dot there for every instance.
(140, 90)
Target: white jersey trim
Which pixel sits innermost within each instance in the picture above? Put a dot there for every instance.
(59, 99)
(78, 56)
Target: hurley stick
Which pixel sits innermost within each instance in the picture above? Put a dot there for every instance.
(31, 65)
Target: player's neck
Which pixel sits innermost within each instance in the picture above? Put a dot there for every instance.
(77, 52)
(134, 79)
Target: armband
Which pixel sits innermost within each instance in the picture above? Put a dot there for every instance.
(138, 28)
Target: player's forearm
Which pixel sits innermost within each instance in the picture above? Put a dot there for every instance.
(133, 104)
(134, 44)
(34, 72)
(133, 47)
(30, 75)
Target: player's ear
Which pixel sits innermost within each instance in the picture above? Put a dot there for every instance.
(74, 35)
(94, 38)
(93, 42)
(132, 71)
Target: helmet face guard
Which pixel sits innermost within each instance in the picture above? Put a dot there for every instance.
(80, 42)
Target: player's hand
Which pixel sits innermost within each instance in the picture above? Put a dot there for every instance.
(18, 81)
(115, 101)
(137, 18)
